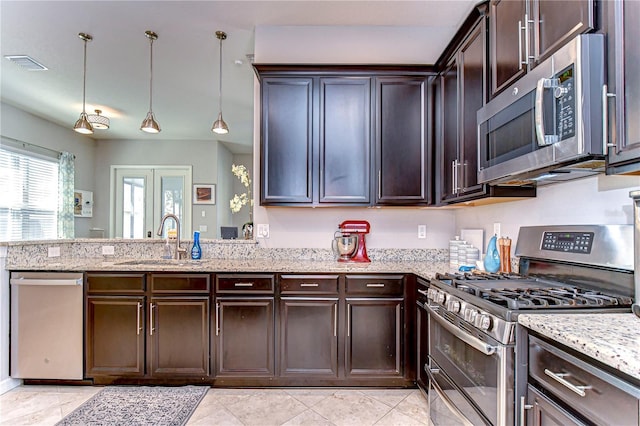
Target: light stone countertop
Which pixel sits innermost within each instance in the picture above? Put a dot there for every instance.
(613, 339)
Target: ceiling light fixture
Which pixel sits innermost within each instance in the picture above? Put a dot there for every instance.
(82, 125)
(219, 126)
(149, 124)
(98, 121)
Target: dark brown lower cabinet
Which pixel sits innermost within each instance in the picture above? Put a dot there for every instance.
(179, 336)
(244, 337)
(309, 337)
(115, 336)
(374, 340)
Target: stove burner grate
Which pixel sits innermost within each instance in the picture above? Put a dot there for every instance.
(554, 297)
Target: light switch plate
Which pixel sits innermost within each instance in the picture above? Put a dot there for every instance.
(203, 228)
(53, 251)
(108, 250)
(262, 230)
(422, 231)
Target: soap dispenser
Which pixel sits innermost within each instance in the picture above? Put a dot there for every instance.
(492, 258)
(196, 251)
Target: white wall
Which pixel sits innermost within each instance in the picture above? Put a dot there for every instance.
(597, 200)
(20, 125)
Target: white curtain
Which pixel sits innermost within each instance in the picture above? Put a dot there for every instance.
(66, 176)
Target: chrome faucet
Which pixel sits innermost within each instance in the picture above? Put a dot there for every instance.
(179, 251)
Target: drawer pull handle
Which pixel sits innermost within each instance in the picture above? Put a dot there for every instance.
(309, 284)
(560, 378)
(243, 284)
(375, 285)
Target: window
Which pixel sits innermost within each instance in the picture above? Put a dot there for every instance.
(29, 200)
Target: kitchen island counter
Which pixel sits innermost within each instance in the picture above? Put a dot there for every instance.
(613, 339)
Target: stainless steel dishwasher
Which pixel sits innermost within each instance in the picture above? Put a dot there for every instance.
(46, 325)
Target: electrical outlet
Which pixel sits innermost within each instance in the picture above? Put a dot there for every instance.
(263, 230)
(53, 251)
(496, 229)
(108, 250)
(422, 231)
(203, 228)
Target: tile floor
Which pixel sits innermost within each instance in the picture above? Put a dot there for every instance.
(46, 405)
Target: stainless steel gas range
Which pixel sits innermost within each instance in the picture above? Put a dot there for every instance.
(476, 365)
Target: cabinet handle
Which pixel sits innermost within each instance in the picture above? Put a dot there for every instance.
(138, 328)
(375, 285)
(527, 39)
(151, 327)
(560, 378)
(335, 320)
(243, 284)
(524, 406)
(348, 320)
(217, 319)
(309, 284)
(520, 61)
(605, 119)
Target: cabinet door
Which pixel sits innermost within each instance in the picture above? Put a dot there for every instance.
(471, 98)
(401, 150)
(245, 339)
(345, 140)
(506, 39)
(374, 337)
(545, 412)
(557, 22)
(179, 336)
(309, 337)
(115, 336)
(624, 80)
(287, 140)
(447, 138)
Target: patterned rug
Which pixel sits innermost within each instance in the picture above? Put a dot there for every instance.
(138, 405)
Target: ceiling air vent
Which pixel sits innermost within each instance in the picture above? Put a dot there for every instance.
(26, 62)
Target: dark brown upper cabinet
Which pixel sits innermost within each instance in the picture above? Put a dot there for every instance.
(524, 32)
(624, 83)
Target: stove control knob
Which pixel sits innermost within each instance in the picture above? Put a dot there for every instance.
(453, 306)
(441, 298)
(485, 322)
(470, 315)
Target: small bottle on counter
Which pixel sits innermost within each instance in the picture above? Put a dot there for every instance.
(196, 251)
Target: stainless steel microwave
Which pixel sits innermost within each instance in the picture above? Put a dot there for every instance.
(548, 126)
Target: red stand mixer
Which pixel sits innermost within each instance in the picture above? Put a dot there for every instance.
(348, 243)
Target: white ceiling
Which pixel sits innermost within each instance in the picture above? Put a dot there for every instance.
(185, 94)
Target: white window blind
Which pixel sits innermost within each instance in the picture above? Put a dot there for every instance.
(29, 196)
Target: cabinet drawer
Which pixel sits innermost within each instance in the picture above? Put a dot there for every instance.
(238, 283)
(115, 283)
(183, 283)
(375, 285)
(304, 284)
(596, 394)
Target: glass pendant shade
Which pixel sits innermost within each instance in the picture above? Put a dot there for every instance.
(219, 126)
(149, 124)
(82, 125)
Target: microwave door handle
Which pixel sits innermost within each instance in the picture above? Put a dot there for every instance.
(538, 113)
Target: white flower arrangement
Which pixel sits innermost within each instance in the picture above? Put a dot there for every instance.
(238, 201)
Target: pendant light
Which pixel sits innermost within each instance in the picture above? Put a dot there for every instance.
(149, 124)
(219, 126)
(82, 125)
(98, 121)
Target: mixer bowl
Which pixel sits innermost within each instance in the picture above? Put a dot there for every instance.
(345, 246)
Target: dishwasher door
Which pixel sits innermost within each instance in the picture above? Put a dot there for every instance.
(46, 325)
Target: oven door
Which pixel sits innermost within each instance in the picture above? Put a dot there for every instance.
(470, 372)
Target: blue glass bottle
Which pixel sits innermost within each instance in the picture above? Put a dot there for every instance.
(196, 251)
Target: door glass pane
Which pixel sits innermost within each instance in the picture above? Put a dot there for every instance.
(172, 196)
(133, 208)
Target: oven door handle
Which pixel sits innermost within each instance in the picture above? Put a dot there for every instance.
(445, 398)
(472, 341)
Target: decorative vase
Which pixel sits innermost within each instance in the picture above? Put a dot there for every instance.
(196, 251)
(247, 231)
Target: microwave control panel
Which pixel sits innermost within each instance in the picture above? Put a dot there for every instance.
(568, 242)
(565, 95)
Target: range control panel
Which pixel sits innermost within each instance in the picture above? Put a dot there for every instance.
(568, 242)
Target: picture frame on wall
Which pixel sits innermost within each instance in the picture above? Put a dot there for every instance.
(204, 193)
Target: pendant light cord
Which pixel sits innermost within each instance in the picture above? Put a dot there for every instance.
(151, 75)
(220, 80)
(84, 79)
